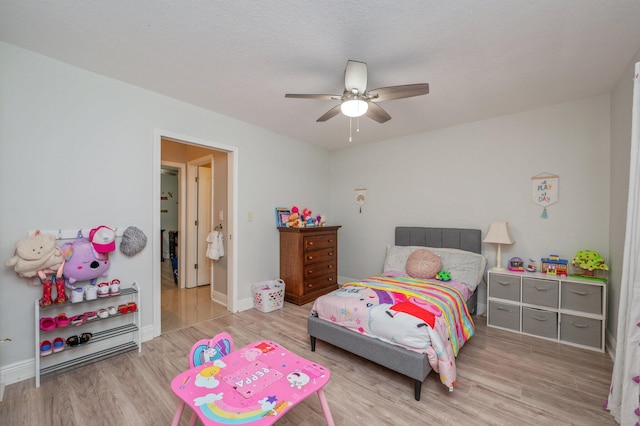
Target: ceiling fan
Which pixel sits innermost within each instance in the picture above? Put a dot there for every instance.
(356, 101)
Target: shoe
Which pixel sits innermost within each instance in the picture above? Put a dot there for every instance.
(78, 319)
(123, 309)
(47, 286)
(111, 310)
(47, 324)
(91, 315)
(114, 288)
(58, 344)
(103, 313)
(85, 337)
(72, 341)
(90, 292)
(61, 296)
(62, 320)
(103, 289)
(132, 307)
(77, 294)
(45, 348)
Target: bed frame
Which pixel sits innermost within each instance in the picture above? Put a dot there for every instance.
(412, 364)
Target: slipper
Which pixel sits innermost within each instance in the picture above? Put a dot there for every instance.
(78, 320)
(58, 344)
(103, 313)
(47, 324)
(91, 315)
(123, 309)
(62, 320)
(112, 310)
(132, 307)
(45, 348)
(72, 341)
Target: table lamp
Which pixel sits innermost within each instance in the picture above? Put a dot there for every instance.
(498, 233)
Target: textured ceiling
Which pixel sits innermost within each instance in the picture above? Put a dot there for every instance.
(238, 58)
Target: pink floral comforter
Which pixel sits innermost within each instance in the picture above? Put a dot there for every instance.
(425, 316)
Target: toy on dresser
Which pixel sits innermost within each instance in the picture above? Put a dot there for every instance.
(516, 264)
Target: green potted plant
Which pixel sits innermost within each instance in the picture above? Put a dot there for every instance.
(590, 262)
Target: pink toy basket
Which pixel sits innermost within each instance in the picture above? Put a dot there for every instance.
(268, 295)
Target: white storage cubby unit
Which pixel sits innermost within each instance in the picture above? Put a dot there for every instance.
(569, 310)
(112, 335)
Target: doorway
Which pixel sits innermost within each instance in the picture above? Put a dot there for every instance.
(215, 167)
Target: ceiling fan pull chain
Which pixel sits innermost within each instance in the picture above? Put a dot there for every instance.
(358, 125)
(350, 129)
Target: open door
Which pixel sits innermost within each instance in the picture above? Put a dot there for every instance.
(199, 221)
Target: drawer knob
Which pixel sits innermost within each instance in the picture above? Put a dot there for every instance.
(504, 283)
(501, 308)
(330, 253)
(537, 318)
(579, 325)
(310, 257)
(310, 243)
(330, 279)
(330, 240)
(310, 272)
(330, 266)
(541, 288)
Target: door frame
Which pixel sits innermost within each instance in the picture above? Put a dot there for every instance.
(182, 215)
(232, 223)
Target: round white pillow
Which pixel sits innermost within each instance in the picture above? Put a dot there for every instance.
(423, 264)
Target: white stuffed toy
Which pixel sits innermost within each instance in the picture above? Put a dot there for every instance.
(34, 254)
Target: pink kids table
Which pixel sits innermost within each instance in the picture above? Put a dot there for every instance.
(253, 385)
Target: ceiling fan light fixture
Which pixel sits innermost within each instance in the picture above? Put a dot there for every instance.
(354, 107)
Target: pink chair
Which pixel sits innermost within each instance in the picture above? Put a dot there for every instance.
(204, 351)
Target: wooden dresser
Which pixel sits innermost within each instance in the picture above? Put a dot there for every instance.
(308, 262)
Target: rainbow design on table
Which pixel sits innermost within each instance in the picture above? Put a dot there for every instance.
(214, 408)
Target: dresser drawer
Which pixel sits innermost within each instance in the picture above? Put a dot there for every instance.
(583, 331)
(540, 292)
(582, 297)
(314, 284)
(504, 287)
(504, 315)
(540, 322)
(320, 241)
(317, 256)
(319, 269)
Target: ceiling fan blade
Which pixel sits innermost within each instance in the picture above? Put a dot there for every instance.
(329, 114)
(355, 77)
(375, 112)
(398, 92)
(305, 96)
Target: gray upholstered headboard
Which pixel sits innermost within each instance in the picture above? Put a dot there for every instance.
(463, 239)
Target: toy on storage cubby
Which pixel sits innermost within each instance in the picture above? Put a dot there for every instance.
(516, 264)
(553, 265)
(589, 264)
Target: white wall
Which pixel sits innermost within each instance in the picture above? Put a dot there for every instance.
(469, 175)
(76, 152)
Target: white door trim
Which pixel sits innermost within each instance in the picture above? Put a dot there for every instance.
(232, 223)
(182, 215)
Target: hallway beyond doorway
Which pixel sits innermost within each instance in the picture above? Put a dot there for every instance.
(184, 307)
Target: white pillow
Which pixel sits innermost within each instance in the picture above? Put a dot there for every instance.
(465, 266)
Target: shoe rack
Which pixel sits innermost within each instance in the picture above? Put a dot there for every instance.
(96, 338)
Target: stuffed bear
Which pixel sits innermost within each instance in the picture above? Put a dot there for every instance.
(294, 221)
(37, 253)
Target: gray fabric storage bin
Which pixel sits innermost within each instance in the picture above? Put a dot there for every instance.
(540, 292)
(504, 315)
(504, 287)
(540, 322)
(582, 297)
(580, 330)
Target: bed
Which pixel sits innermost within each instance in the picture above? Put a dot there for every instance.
(458, 249)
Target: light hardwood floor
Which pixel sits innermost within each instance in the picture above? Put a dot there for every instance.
(503, 379)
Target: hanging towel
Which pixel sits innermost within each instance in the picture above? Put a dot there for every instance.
(215, 248)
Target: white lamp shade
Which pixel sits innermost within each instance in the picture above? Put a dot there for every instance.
(498, 234)
(354, 107)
